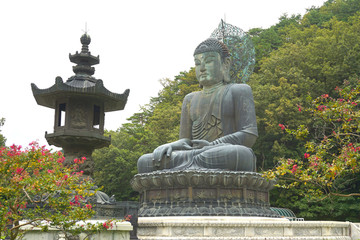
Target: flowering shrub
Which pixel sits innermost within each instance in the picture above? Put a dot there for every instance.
(334, 152)
(36, 189)
(95, 226)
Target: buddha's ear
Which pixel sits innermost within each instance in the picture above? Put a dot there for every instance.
(227, 63)
(226, 69)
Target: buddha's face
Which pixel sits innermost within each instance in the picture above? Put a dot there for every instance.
(209, 68)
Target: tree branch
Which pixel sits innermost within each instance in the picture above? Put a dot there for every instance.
(352, 134)
(27, 223)
(346, 195)
(27, 195)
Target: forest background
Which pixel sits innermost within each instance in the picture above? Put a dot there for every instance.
(300, 57)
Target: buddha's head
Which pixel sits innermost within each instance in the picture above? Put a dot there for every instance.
(212, 62)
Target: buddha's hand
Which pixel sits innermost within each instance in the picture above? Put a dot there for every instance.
(165, 150)
(200, 143)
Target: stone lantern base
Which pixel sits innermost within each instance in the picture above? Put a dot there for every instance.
(203, 193)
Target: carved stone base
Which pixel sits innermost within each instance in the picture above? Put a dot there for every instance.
(203, 193)
(240, 228)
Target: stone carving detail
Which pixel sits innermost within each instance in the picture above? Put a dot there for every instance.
(200, 178)
(78, 116)
(203, 193)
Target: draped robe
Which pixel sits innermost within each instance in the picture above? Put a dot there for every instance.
(223, 116)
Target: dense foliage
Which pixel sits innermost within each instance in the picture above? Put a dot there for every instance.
(36, 189)
(330, 163)
(312, 61)
(299, 58)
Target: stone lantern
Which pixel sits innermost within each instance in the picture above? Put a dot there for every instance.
(80, 104)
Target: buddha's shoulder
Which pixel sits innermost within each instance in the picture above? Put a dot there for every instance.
(239, 88)
(190, 96)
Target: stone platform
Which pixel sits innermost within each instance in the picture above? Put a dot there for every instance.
(120, 231)
(203, 193)
(239, 228)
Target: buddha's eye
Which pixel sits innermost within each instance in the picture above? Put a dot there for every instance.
(209, 59)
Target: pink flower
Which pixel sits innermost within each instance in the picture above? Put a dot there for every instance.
(281, 126)
(293, 170)
(36, 172)
(105, 225)
(88, 206)
(61, 160)
(314, 164)
(321, 107)
(19, 170)
(306, 155)
(299, 107)
(76, 200)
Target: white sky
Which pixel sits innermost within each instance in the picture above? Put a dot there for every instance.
(139, 43)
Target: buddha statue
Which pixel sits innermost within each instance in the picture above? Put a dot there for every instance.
(218, 124)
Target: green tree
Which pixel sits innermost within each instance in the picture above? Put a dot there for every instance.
(267, 40)
(331, 209)
(341, 9)
(313, 61)
(36, 189)
(115, 166)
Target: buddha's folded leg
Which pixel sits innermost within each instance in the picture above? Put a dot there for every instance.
(145, 163)
(227, 157)
(223, 156)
